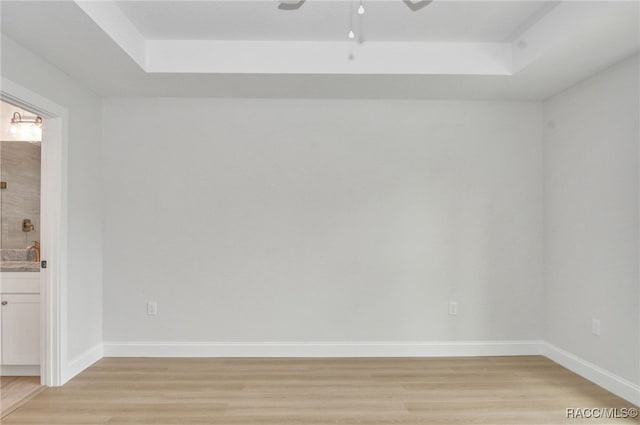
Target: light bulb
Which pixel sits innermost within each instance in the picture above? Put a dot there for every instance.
(36, 133)
(13, 129)
(25, 132)
(361, 9)
(351, 35)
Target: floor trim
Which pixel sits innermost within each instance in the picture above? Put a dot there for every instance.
(322, 349)
(10, 409)
(607, 380)
(84, 360)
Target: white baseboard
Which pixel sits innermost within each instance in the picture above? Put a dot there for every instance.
(607, 380)
(19, 370)
(322, 349)
(83, 361)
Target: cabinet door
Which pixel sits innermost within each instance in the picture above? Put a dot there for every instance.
(20, 327)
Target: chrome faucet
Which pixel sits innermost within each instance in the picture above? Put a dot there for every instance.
(36, 248)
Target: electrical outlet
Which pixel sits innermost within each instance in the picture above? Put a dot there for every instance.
(595, 327)
(453, 308)
(152, 308)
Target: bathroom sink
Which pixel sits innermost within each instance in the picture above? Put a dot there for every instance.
(19, 266)
(18, 260)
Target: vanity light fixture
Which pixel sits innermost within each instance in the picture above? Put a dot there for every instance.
(29, 129)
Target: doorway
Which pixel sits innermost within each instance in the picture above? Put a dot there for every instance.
(52, 246)
(20, 225)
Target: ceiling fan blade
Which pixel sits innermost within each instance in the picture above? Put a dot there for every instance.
(291, 5)
(416, 5)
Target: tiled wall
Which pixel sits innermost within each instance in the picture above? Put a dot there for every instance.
(20, 168)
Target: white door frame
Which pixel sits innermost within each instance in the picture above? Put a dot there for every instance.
(53, 229)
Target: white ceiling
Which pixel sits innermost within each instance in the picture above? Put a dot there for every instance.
(459, 21)
(533, 52)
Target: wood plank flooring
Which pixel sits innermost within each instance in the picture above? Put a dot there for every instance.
(15, 390)
(364, 391)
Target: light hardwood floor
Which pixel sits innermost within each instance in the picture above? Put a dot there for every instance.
(425, 391)
(15, 390)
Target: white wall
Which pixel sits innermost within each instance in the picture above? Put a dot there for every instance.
(322, 220)
(592, 220)
(84, 209)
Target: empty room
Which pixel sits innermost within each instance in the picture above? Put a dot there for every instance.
(321, 212)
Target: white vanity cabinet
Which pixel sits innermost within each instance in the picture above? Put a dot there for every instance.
(20, 323)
